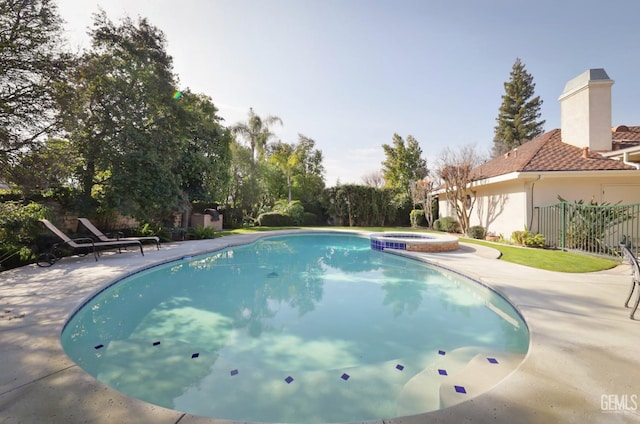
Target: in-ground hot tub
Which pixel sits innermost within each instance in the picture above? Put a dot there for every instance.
(414, 242)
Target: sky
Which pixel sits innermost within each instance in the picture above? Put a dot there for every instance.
(352, 73)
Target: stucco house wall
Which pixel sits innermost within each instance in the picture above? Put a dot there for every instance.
(499, 206)
(506, 206)
(600, 189)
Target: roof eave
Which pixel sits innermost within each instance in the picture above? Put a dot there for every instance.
(536, 175)
(621, 152)
(533, 175)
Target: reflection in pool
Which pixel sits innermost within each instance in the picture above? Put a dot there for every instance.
(302, 328)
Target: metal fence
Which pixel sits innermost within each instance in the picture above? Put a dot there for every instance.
(593, 229)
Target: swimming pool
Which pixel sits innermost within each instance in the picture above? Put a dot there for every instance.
(303, 328)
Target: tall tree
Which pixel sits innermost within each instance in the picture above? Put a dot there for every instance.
(301, 164)
(284, 158)
(519, 114)
(243, 191)
(31, 65)
(454, 171)
(403, 164)
(422, 194)
(256, 131)
(309, 177)
(122, 117)
(86, 106)
(205, 154)
(48, 166)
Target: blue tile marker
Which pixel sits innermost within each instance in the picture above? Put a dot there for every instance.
(345, 376)
(233, 372)
(492, 360)
(460, 389)
(442, 372)
(288, 379)
(399, 367)
(442, 352)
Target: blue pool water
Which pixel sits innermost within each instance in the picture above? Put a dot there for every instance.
(301, 328)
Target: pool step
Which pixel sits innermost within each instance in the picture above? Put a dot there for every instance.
(421, 393)
(480, 374)
(459, 375)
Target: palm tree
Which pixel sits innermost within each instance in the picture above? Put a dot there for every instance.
(256, 132)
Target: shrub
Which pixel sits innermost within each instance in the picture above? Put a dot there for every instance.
(19, 229)
(310, 219)
(358, 205)
(274, 219)
(11, 196)
(148, 230)
(476, 232)
(589, 224)
(293, 209)
(296, 212)
(535, 240)
(417, 218)
(447, 224)
(518, 237)
(527, 238)
(163, 233)
(200, 233)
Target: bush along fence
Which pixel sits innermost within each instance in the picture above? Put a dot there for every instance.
(590, 228)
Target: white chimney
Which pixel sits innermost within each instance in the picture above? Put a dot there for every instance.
(585, 111)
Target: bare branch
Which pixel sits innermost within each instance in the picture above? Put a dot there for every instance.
(454, 171)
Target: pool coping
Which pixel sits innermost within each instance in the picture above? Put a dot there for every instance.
(581, 365)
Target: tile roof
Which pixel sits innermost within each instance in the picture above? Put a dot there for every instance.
(548, 153)
(624, 137)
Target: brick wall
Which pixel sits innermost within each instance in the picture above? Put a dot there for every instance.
(446, 246)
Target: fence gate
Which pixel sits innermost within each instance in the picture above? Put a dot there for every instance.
(594, 229)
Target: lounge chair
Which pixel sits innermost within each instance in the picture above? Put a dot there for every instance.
(103, 237)
(83, 245)
(635, 276)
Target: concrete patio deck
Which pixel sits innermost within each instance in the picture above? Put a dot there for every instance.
(582, 364)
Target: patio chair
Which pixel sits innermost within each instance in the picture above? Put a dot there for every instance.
(103, 237)
(80, 246)
(635, 276)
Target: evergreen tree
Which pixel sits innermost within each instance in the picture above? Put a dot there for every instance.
(519, 114)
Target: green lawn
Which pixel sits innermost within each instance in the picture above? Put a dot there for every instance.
(552, 260)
